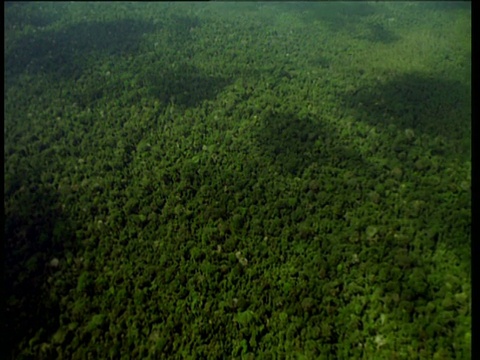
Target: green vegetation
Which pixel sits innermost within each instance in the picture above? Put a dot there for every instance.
(237, 181)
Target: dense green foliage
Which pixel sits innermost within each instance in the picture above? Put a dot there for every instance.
(237, 181)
